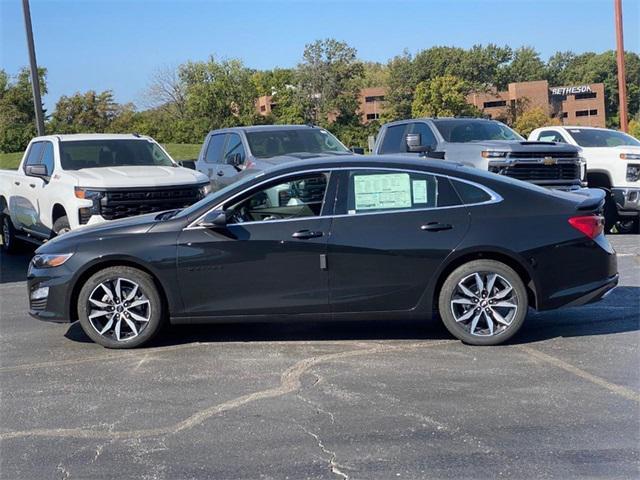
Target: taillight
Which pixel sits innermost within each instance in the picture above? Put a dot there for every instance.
(590, 225)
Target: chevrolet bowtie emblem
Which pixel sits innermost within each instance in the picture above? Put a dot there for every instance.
(549, 161)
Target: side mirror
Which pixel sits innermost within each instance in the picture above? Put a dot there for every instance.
(37, 171)
(357, 150)
(414, 143)
(214, 219)
(191, 164)
(235, 159)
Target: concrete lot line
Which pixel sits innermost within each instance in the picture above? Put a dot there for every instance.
(290, 381)
(96, 358)
(612, 387)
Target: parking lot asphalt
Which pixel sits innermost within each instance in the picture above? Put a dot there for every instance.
(361, 400)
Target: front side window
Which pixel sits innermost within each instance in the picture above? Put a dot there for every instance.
(234, 147)
(380, 191)
(587, 137)
(305, 141)
(394, 139)
(47, 157)
(35, 151)
(463, 130)
(427, 139)
(76, 155)
(550, 136)
(297, 197)
(214, 150)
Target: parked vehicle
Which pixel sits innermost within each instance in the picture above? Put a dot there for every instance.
(613, 164)
(66, 181)
(488, 145)
(383, 237)
(229, 154)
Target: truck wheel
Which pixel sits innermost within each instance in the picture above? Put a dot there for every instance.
(610, 213)
(120, 307)
(61, 226)
(10, 243)
(483, 302)
(628, 226)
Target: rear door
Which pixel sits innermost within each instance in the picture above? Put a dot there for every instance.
(393, 230)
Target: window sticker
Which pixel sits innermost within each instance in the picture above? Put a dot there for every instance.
(386, 190)
(419, 188)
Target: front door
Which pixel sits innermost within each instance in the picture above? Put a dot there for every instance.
(396, 229)
(231, 162)
(269, 257)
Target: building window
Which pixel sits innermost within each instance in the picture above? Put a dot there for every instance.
(583, 96)
(375, 98)
(496, 103)
(263, 108)
(373, 116)
(593, 112)
(565, 114)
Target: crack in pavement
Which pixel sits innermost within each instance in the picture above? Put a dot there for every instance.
(290, 381)
(334, 466)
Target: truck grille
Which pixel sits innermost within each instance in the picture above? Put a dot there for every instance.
(537, 171)
(127, 203)
(539, 155)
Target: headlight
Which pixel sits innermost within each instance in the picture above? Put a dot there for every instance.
(87, 194)
(204, 190)
(583, 169)
(633, 173)
(50, 260)
(493, 154)
(630, 156)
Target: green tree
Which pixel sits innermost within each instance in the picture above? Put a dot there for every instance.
(269, 82)
(17, 115)
(218, 94)
(444, 96)
(534, 118)
(88, 112)
(526, 66)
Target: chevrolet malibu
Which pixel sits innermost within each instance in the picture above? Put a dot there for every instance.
(347, 238)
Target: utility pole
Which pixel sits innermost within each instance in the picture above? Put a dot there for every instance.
(622, 85)
(35, 78)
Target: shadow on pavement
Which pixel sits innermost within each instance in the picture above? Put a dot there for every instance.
(617, 314)
(13, 268)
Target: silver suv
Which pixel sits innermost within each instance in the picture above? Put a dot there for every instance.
(231, 153)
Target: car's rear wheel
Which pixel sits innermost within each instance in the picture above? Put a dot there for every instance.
(483, 302)
(120, 307)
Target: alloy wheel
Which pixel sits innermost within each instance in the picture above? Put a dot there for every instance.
(118, 309)
(484, 304)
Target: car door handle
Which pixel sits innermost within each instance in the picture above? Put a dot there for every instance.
(304, 234)
(220, 173)
(32, 185)
(16, 183)
(435, 227)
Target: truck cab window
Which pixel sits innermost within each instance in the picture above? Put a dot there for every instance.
(35, 152)
(214, 150)
(393, 140)
(47, 157)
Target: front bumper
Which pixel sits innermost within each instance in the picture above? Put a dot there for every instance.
(58, 282)
(627, 200)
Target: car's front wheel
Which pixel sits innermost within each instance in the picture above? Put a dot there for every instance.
(120, 307)
(483, 302)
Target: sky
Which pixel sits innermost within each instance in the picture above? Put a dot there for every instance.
(117, 45)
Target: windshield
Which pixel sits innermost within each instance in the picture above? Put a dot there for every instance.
(462, 130)
(601, 138)
(76, 155)
(271, 143)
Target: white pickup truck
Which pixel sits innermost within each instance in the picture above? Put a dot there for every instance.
(613, 164)
(67, 181)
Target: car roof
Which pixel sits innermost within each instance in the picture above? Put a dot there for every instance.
(93, 136)
(439, 119)
(264, 128)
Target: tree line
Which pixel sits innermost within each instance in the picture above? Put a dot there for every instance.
(182, 104)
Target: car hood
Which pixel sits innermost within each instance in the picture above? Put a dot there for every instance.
(523, 146)
(132, 225)
(136, 176)
(293, 157)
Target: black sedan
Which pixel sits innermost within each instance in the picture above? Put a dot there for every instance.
(348, 238)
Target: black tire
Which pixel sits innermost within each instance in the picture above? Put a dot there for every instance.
(452, 303)
(61, 225)
(147, 290)
(10, 243)
(628, 227)
(610, 213)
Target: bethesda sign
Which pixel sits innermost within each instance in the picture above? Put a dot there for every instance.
(570, 90)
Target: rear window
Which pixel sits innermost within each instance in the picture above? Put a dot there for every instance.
(76, 155)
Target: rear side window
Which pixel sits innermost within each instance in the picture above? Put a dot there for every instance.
(470, 194)
(214, 150)
(35, 151)
(380, 191)
(394, 141)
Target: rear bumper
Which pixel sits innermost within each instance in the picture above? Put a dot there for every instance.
(583, 294)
